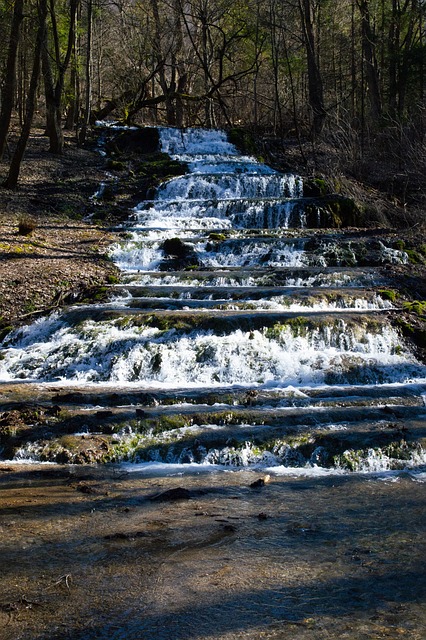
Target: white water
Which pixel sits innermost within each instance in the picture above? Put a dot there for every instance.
(108, 351)
(223, 191)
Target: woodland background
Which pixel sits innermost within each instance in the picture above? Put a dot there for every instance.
(350, 75)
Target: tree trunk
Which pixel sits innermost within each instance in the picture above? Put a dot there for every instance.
(53, 106)
(88, 97)
(169, 89)
(315, 86)
(15, 165)
(368, 48)
(54, 88)
(9, 84)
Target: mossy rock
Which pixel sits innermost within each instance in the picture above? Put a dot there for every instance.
(113, 278)
(316, 187)
(243, 139)
(417, 334)
(138, 141)
(217, 237)
(159, 164)
(115, 165)
(333, 211)
(415, 257)
(4, 331)
(416, 306)
(399, 245)
(388, 294)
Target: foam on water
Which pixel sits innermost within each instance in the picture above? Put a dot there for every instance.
(120, 352)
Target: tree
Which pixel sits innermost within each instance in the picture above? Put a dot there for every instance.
(316, 92)
(88, 98)
(370, 60)
(9, 84)
(54, 75)
(15, 165)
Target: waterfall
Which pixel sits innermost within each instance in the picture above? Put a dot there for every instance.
(225, 292)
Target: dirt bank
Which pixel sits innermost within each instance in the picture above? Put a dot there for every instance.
(57, 256)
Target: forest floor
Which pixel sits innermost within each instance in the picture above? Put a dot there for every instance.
(57, 257)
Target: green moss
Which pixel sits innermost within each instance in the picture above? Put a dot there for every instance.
(398, 453)
(99, 294)
(414, 257)
(217, 237)
(350, 460)
(113, 279)
(333, 211)
(417, 335)
(399, 244)
(316, 187)
(4, 331)
(416, 306)
(388, 294)
(68, 442)
(159, 165)
(115, 165)
(243, 139)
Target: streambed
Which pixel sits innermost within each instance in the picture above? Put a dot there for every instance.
(88, 553)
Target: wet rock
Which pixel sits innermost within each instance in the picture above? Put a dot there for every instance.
(104, 414)
(75, 398)
(262, 516)
(260, 482)
(319, 457)
(251, 397)
(180, 493)
(145, 140)
(179, 255)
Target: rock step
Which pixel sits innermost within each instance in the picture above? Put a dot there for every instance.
(310, 300)
(261, 276)
(59, 419)
(196, 292)
(324, 444)
(15, 395)
(172, 303)
(225, 321)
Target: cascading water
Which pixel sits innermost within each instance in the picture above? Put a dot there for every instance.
(233, 343)
(222, 299)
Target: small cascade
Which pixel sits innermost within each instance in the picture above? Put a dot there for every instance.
(293, 351)
(223, 189)
(237, 337)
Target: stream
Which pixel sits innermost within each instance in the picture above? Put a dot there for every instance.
(259, 418)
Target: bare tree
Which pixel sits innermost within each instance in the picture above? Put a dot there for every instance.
(9, 84)
(11, 181)
(54, 86)
(315, 85)
(370, 60)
